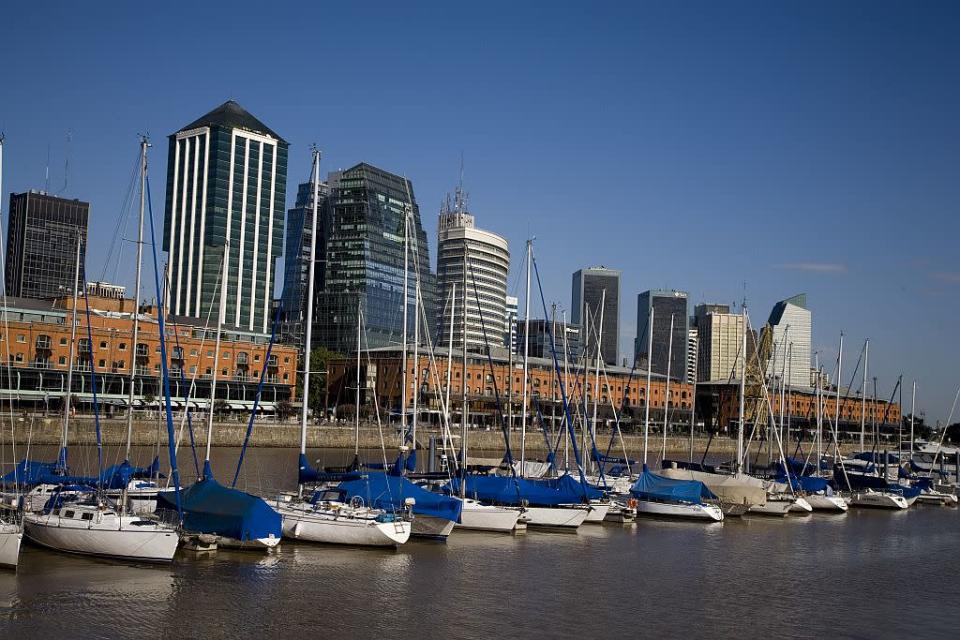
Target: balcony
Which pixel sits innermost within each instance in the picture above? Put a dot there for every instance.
(43, 343)
(243, 359)
(273, 361)
(40, 363)
(143, 350)
(176, 354)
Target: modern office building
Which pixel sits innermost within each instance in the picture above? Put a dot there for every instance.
(226, 183)
(365, 261)
(42, 236)
(566, 337)
(487, 264)
(668, 307)
(296, 261)
(693, 344)
(721, 341)
(510, 330)
(591, 287)
(790, 355)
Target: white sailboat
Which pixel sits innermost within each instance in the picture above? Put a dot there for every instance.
(324, 518)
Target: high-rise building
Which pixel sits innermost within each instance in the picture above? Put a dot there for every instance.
(693, 344)
(666, 304)
(296, 262)
(792, 323)
(365, 261)
(721, 341)
(589, 287)
(226, 182)
(565, 336)
(487, 263)
(42, 239)
(510, 330)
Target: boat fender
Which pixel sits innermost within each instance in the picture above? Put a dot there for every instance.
(632, 503)
(297, 529)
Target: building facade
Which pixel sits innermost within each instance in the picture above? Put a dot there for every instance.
(790, 354)
(591, 287)
(365, 261)
(42, 236)
(566, 338)
(39, 351)
(296, 262)
(721, 342)
(487, 265)
(663, 305)
(226, 186)
(510, 329)
(693, 346)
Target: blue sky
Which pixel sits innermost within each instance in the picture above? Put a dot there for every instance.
(784, 147)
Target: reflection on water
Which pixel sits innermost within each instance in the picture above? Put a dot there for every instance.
(859, 574)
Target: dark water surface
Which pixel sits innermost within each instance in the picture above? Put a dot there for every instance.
(866, 574)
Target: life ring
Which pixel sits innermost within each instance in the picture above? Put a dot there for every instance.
(632, 503)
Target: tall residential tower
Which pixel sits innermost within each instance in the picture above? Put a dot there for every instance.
(668, 307)
(590, 287)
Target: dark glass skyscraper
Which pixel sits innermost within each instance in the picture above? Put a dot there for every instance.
(296, 263)
(42, 244)
(226, 180)
(365, 260)
(589, 286)
(666, 304)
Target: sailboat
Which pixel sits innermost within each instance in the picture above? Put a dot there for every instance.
(86, 521)
(325, 517)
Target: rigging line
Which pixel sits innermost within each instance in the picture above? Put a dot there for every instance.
(6, 341)
(126, 209)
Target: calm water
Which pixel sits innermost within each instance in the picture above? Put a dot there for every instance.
(866, 574)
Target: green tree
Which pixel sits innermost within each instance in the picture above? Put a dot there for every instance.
(319, 358)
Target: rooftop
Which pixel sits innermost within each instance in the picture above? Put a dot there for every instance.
(232, 115)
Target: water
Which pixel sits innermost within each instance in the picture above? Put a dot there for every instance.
(866, 574)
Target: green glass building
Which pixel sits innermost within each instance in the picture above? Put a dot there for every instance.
(226, 180)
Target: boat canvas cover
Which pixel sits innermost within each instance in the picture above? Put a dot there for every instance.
(650, 486)
(388, 492)
(29, 472)
(516, 492)
(209, 507)
(740, 489)
(570, 484)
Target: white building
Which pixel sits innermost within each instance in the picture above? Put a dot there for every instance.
(488, 263)
(510, 329)
(792, 323)
(720, 343)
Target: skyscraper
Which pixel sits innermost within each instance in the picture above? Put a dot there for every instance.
(510, 331)
(365, 256)
(665, 304)
(296, 262)
(42, 244)
(792, 323)
(721, 341)
(589, 286)
(487, 263)
(226, 182)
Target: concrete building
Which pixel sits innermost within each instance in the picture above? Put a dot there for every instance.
(693, 342)
(539, 340)
(42, 236)
(791, 323)
(720, 343)
(665, 304)
(487, 264)
(590, 287)
(510, 331)
(226, 183)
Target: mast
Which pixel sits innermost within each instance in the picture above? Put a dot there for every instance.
(416, 353)
(221, 316)
(526, 357)
(693, 403)
(738, 467)
(463, 382)
(819, 413)
(356, 405)
(308, 329)
(73, 340)
(863, 394)
(144, 143)
(596, 385)
(406, 303)
(913, 411)
(566, 382)
(666, 399)
(453, 311)
(646, 400)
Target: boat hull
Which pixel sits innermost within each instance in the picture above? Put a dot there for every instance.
(878, 500)
(937, 498)
(560, 518)
(431, 527)
(621, 514)
(705, 512)
(255, 544)
(328, 529)
(10, 539)
(111, 538)
(479, 517)
(598, 513)
(801, 506)
(833, 504)
(772, 507)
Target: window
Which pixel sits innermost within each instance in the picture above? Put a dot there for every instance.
(226, 355)
(193, 352)
(69, 514)
(21, 337)
(102, 364)
(256, 358)
(19, 357)
(87, 516)
(122, 346)
(193, 369)
(63, 360)
(209, 371)
(103, 344)
(63, 342)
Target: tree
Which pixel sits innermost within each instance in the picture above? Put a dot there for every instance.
(220, 409)
(284, 410)
(319, 358)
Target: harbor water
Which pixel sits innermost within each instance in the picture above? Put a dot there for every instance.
(864, 574)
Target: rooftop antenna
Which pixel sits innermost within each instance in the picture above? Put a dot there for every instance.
(46, 172)
(66, 163)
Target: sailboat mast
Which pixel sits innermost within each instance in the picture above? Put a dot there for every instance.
(666, 399)
(221, 317)
(453, 311)
(913, 412)
(73, 340)
(144, 143)
(738, 467)
(406, 302)
(526, 363)
(863, 394)
(416, 355)
(646, 400)
(596, 385)
(819, 412)
(463, 382)
(308, 329)
(356, 405)
(566, 383)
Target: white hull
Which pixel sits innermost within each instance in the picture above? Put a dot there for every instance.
(430, 527)
(801, 506)
(567, 518)
(773, 507)
(621, 514)
(110, 535)
(938, 498)
(878, 500)
(10, 538)
(480, 517)
(258, 544)
(301, 522)
(598, 513)
(834, 503)
(708, 512)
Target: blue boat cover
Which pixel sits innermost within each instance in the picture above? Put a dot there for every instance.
(209, 507)
(516, 492)
(29, 472)
(569, 484)
(387, 492)
(651, 486)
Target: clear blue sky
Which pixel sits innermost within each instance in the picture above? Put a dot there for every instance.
(792, 146)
